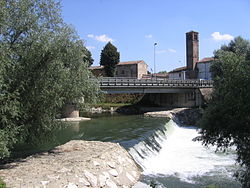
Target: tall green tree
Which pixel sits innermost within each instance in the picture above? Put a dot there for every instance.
(110, 57)
(88, 57)
(226, 121)
(42, 67)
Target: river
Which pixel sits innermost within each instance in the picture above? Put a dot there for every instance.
(164, 150)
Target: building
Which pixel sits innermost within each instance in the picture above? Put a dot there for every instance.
(203, 67)
(133, 69)
(97, 71)
(194, 69)
(178, 74)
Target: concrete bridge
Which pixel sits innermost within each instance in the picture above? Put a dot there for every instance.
(132, 85)
(163, 92)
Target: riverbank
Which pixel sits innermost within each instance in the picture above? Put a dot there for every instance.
(183, 116)
(74, 164)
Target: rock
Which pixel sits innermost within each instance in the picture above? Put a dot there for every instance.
(111, 184)
(72, 185)
(85, 182)
(74, 164)
(131, 178)
(44, 183)
(111, 164)
(91, 178)
(63, 170)
(134, 173)
(106, 174)
(96, 163)
(102, 180)
(113, 172)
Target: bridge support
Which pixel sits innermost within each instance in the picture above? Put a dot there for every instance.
(70, 111)
(189, 99)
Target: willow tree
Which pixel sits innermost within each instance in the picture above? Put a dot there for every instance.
(226, 121)
(42, 67)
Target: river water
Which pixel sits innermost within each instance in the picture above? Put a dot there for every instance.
(164, 150)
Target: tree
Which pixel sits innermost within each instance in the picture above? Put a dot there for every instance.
(109, 59)
(88, 58)
(42, 67)
(226, 121)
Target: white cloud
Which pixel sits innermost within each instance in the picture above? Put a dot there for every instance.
(90, 47)
(100, 38)
(149, 36)
(172, 50)
(161, 51)
(219, 37)
(166, 51)
(90, 35)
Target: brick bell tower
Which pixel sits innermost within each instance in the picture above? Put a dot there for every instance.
(192, 53)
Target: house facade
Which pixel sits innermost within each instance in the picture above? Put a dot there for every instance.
(132, 69)
(203, 67)
(178, 74)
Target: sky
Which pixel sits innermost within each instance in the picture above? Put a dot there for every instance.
(133, 26)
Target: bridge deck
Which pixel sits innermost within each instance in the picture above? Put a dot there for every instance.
(153, 83)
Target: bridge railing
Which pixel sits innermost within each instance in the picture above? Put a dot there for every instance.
(134, 82)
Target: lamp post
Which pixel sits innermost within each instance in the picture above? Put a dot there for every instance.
(154, 59)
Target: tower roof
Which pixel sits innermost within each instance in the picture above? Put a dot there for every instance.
(192, 32)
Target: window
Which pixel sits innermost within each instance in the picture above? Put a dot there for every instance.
(195, 37)
(122, 72)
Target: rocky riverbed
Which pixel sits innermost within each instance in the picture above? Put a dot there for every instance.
(73, 165)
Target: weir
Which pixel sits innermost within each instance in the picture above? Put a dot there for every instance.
(171, 152)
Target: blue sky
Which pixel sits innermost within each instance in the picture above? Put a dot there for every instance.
(133, 26)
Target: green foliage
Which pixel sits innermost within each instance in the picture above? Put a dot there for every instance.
(88, 58)
(123, 98)
(210, 186)
(2, 184)
(109, 105)
(42, 67)
(162, 72)
(226, 121)
(110, 57)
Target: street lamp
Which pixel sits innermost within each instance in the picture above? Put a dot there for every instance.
(154, 59)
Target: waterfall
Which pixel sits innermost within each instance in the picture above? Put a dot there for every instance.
(170, 151)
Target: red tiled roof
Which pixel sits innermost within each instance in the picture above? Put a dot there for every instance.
(206, 59)
(130, 62)
(178, 69)
(120, 63)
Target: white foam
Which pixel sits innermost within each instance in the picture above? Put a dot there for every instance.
(180, 156)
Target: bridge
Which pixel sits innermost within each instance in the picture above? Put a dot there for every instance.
(153, 85)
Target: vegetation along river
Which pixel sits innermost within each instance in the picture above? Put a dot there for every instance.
(164, 150)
